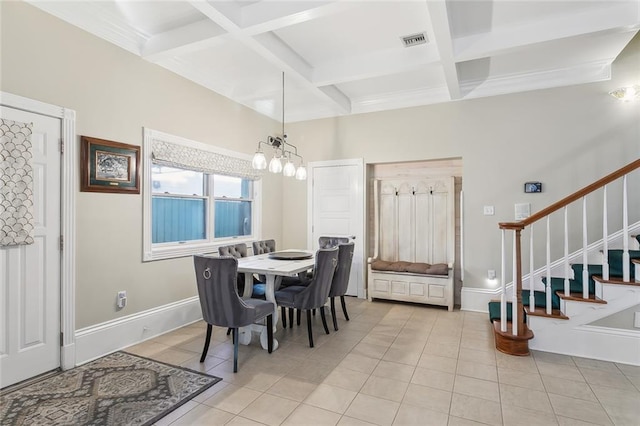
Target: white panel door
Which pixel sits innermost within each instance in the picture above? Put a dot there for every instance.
(30, 274)
(337, 210)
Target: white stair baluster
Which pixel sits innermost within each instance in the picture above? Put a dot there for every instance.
(567, 289)
(626, 267)
(605, 235)
(585, 257)
(503, 292)
(532, 299)
(548, 289)
(514, 294)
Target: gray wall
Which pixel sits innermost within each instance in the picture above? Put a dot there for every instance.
(564, 137)
(623, 319)
(115, 94)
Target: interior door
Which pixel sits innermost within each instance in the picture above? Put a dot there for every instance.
(337, 210)
(30, 274)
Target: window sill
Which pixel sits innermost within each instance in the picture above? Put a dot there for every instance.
(184, 250)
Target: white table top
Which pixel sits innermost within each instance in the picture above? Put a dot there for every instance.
(263, 264)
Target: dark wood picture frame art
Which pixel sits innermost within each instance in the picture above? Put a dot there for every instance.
(107, 166)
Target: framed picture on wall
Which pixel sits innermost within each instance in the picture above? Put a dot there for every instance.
(107, 166)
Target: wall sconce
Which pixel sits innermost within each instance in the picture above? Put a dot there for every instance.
(282, 151)
(628, 93)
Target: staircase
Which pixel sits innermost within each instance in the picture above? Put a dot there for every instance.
(583, 303)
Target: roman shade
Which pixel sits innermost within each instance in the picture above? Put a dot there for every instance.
(185, 157)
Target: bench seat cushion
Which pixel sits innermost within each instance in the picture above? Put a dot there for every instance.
(412, 267)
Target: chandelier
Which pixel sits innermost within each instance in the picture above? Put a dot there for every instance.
(282, 151)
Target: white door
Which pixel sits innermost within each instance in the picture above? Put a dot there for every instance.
(30, 274)
(336, 198)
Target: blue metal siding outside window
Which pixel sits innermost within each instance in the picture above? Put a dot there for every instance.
(233, 218)
(178, 219)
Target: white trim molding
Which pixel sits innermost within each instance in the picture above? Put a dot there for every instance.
(101, 339)
(68, 190)
(169, 251)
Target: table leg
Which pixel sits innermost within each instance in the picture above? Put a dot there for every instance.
(248, 285)
(270, 295)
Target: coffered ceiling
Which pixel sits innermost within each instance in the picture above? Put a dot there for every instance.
(344, 57)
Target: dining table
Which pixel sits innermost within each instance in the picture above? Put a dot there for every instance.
(273, 266)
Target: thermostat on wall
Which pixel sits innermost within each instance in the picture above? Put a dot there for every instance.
(532, 187)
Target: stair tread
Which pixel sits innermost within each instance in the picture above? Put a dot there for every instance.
(578, 297)
(555, 313)
(615, 280)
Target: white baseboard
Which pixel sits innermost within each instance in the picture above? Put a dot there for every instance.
(477, 299)
(101, 339)
(594, 342)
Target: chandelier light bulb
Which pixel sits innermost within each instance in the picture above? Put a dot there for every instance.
(259, 161)
(289, 169)
(275, 165)
(301, 173)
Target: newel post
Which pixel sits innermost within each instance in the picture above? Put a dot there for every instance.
(518, 281)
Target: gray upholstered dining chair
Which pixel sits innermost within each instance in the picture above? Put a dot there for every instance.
(240, 250)
(327, 242)
(222, 306)
(341, 280)
(264, 246)
(315, 293)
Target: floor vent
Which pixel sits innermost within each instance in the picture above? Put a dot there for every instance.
(414, 39)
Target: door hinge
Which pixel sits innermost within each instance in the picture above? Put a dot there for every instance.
(61, 243)
(61, 146)
(61, 339)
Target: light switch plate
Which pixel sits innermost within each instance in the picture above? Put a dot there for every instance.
(488, 210)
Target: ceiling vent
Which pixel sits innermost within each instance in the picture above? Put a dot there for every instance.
(414, 39)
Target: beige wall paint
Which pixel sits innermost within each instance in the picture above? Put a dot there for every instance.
(566, 138)
(115, 94)
(622, 320)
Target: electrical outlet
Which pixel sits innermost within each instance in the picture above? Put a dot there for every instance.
(491, 274)
(121, 300)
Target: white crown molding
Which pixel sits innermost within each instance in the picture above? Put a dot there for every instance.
(96, 20)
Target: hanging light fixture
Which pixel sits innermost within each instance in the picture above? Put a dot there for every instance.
(282, 150)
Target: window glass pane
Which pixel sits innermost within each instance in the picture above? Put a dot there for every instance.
(177, 219)
(231, 187)
(177, 181)
(233, 218)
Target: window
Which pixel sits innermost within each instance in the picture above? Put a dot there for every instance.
(189, 210)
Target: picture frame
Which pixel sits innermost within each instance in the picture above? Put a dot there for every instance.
(108, 166)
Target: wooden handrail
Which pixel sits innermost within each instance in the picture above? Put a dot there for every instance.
(571, 198)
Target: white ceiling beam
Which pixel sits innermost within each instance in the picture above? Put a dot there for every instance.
(274, 50)
(267, 16)
(439, 18)
(187, 38)
(376, 64)
(616, 17)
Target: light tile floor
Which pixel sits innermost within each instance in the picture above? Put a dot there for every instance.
(395, 364)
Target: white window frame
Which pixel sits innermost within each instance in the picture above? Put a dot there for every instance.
(150, 251)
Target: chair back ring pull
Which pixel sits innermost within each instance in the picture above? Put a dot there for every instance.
(206, 273)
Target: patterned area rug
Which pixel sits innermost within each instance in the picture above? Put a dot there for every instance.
(118, 389)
